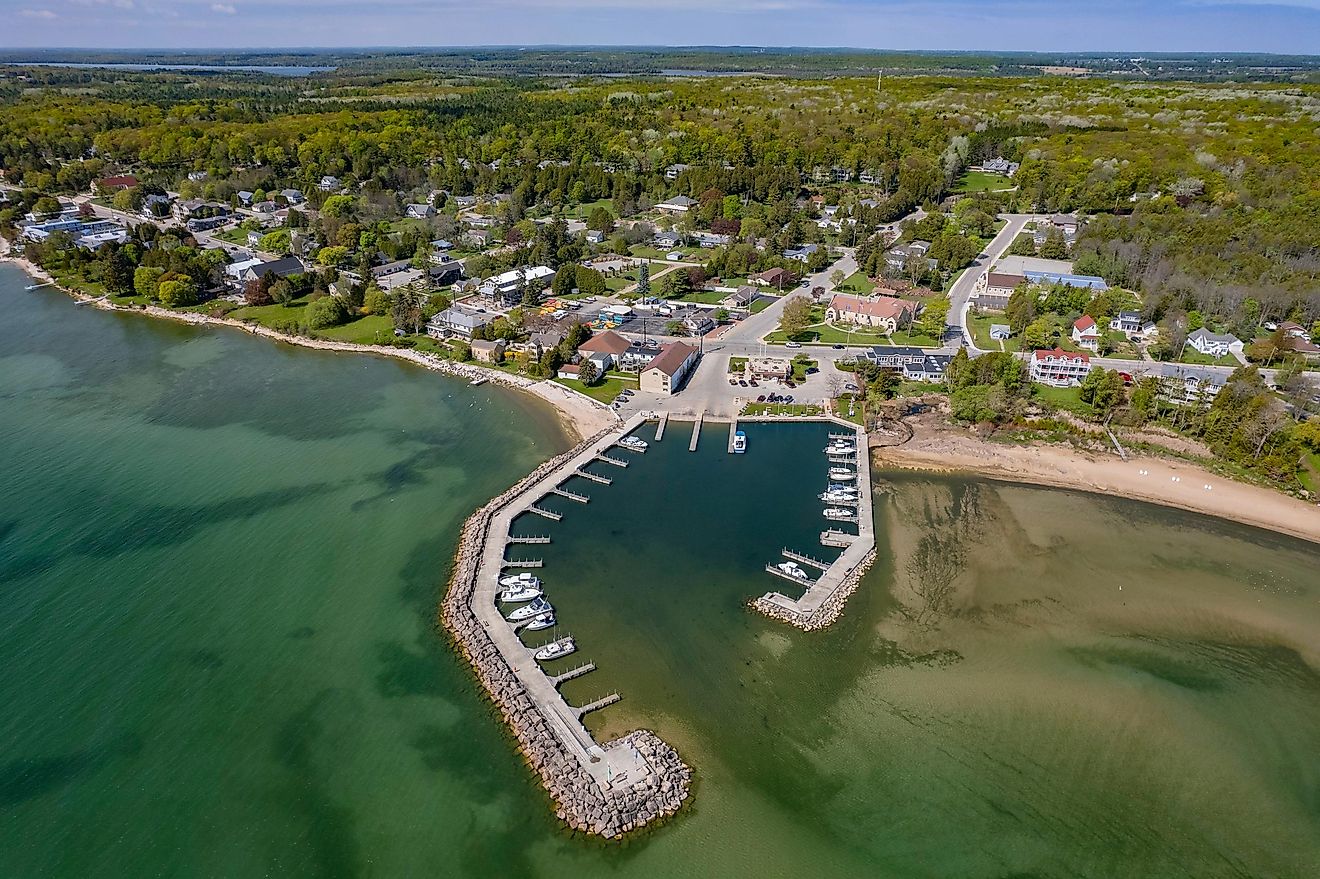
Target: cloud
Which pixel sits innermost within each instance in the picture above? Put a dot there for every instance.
(226, 8)
(37, 13)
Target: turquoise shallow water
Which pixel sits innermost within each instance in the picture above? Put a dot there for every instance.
(219, 563)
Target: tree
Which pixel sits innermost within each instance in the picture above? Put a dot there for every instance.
(644, 278)
(275, 242)
(177, 292)
(1054, 246)
(328, 311)
(407, 309)
(676, 284)
(796, 316)
(255, 292)
(600, 219)
(375, 301)
(339, 206)
(587, 372)
(117, 273)
(676, 328)
(1021, 308)
(332, 256)
(145, 281)
(933, 318)
(282, 292)
(1023, 245)
(836, 277)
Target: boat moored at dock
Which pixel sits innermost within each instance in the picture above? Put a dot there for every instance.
(635, 443)
(527, 611)
(838, 514)
(793, 570)
(555, 650)
(544, 621)
(739, 442)
(842, 474)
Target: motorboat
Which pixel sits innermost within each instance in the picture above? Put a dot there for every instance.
(632, 442)
(522, 579)
(838, 513)
(842, 474)
(792, 569)
(477, 382)
(739, 442)
(544, 621)
(527, 611)
(841, 488)
(522, 592)
(555, 650)
(839, 497)
(840, 449)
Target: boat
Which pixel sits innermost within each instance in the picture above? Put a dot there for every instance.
(841, 488)
(839, 450)
(527, 611)
(632, 442)
(839, 497)
(523, 579)
(555, 650)
(544, 621)
(477, 382)
(842, 474)
(792, 570)
(838, 513)
(521, 593)
(739, 442)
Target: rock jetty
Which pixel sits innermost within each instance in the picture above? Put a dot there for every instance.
(830, 609)
(583, 800)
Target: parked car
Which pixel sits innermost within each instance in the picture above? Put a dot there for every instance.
(761, 399)
(792, 344)
(838, 347)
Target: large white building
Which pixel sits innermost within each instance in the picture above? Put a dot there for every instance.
(1058, 368)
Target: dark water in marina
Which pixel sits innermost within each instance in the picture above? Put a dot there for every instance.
(219, 561)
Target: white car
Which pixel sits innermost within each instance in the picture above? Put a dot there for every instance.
(792, 344)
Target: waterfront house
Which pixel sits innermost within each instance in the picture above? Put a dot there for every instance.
(1085, 334)
(487, 351)
(884, 313)
(608, 344)
(1058, 368)
(666, 373)
(1127, 322)
(279, 268)
(1211, 344)
(455, 322)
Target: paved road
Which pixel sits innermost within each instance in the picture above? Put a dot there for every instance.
(960, 293)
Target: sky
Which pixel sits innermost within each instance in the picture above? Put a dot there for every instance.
(1288, 26)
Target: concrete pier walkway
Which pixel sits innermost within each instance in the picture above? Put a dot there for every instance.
(660, 428)
(696, 431)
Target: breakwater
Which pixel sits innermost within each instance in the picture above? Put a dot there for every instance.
(606, 789)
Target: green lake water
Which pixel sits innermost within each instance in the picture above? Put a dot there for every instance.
(219, 565)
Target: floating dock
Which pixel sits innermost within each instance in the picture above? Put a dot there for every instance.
(524, 563)
(573, 496)
(806, 560)
(771, 569)
(530, 538)
(733, 432)
(549, 514)
(696, 431)
(573, 673)
(660, 428)
(837, 538)
(600, 703)
(606, 459)
(603, 480)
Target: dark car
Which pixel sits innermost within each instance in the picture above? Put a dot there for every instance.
(761, 398)
(742, 383)
(838, 347)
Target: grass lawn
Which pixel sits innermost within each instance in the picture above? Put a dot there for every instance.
(618, 283)
(920, 389)
(1191, 355)
(605, 390)
(980, 181)
(1068, 399)
(705, 297)
(75, 281)
(374, 329)
(781, 409)
(271, 315)
(857, 283)
(583, 211)
(849, 406)
(737, 364)
(233, 236)
(801, 364)
(980, 327)
(1310, 472)
(915, 339)
(760, 305)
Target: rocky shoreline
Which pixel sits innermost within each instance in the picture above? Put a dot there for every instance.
(830, 609)
(581, 801)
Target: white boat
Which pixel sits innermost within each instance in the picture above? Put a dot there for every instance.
(538, 606)
(842, 474)
(837, 513)
(839, 450)
(739, 442)
(544, 621)
(476, 382)
(519, 594)
(555, 650)
(632, 442)
(839, 497)
(523, 579)
(840, 488)
(792, 570)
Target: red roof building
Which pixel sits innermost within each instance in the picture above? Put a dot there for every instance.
(110, 184)
(1058, 368)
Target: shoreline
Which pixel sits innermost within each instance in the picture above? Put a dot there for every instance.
(579, 415)
(1180, 485)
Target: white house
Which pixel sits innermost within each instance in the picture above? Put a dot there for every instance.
(1211, 344)
(1058, 368)
(329, 183)
(884, 312)
(679, 204)
(1127, 322)
(1085, 334)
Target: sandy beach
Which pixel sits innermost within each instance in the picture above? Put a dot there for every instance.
(580, 415)
(946, 448)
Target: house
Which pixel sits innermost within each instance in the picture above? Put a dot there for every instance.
(454, 322)
(280, 268)
(329, 183)
(801, 254)
(1294, 330)
(1058, 368)
(897, 257)
(486, 351)
(440, 245)
(638, 355)
(884, 313)
(894, 356)
(253, 238)
(509, 285)
(187, 208)
(445, 272)
(154, 206)
(464, 201)
(672, 172)
(418, 211)
(203, 224)
(776, 277)
(710, 239)
(679, 204)
(743, 297)
(93, 235)
(266, 207)
(197, 176)
(930, 368)
(478, 237)
(245, 197)
(1068, 224)
(664, 240)
(666, 373)
(608, 345)
(235, 270)
(540, 342)
(595, 236)
(999, 332)
(293, 196)
(1127, 322)
(1085, 334)
(1211, 344)
(698, 323)
(391, 268)
(993, 289)
(1303, 346)
(1000, 165)
(115, 184)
